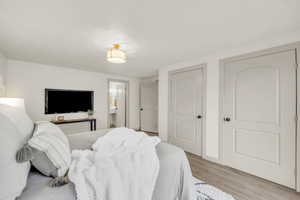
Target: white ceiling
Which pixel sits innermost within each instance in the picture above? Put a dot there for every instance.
(155, 33)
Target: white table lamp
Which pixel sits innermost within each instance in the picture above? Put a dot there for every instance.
(13, 102)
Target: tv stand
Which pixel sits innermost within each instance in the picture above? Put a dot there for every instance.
(91, 120)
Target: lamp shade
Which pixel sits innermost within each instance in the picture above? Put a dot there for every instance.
(13, 102)
(115, 55)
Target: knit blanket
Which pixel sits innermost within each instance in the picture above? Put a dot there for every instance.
(122, 165)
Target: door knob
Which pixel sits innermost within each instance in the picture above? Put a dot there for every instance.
(141, 109)
(226, 119)
(199, 116)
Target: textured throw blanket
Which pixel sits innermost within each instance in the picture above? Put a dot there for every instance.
(122, 166)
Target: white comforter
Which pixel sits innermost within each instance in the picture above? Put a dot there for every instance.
(123, 166)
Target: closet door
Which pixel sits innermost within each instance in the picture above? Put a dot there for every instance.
(259, 116)
(149, 106)
(185, 110)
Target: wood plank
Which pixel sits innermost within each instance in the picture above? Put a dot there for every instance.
(241, 185)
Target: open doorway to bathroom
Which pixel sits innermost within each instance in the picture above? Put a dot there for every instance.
(118, 103)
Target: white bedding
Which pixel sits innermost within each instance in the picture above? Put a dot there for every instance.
(173, 182)
(123, 165)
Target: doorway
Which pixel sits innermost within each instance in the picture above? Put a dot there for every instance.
(187, 108)
(118, 103)
(258, 114)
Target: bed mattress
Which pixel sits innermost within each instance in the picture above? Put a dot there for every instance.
(173, 182)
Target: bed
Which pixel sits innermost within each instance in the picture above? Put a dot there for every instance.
(173, 180)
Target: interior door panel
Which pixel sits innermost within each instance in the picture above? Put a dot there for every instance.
(149, 106)
(260, 101)
(186, 97)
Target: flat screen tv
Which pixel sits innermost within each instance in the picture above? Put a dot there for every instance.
(68, 101)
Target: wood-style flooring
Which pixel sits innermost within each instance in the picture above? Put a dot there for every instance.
(240, 185)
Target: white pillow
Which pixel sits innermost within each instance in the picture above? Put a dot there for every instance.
(15, 130)
(50, 139)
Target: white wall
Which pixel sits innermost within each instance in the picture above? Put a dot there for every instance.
(212, 61)
(2, 74)
(28, 81)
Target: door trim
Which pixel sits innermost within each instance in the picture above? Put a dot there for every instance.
(293, 46)
(126, 100)
(185, 69)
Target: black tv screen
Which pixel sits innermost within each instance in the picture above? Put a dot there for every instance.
(68, 101)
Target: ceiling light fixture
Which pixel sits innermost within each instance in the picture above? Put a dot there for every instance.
(116, 55)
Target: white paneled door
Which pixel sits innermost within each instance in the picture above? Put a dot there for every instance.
(259, 110)
(149, 106)
(186, 110)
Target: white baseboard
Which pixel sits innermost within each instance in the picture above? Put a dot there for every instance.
(212, 159)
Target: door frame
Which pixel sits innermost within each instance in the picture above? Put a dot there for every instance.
(203, 67)
(126, 100)
(146, 80)
(293, 46)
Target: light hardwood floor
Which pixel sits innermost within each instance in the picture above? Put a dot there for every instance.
(239, 184)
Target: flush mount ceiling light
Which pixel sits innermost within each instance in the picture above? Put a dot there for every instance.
(116, 55)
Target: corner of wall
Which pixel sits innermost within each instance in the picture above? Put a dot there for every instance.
(163, 104)
(3, 68)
